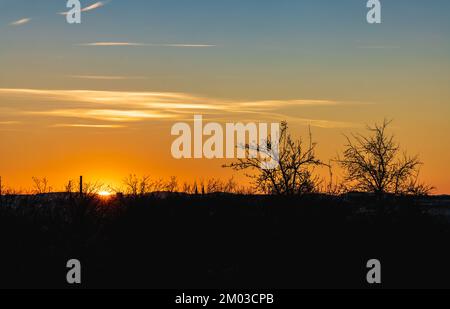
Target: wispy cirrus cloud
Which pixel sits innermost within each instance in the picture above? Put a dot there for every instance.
(128, 107)
(111, 44)
(105, 77)
(6, 123)
(90, 7)
(128, 98)
(378, 47)
(181, 45)
(113, 115)
(81, 125)
(134, 44)
(94, 6)
(20, 22)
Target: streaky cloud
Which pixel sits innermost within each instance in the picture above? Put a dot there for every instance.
(91, 7)
(135, 106)
(5, 123)
(103, 44)
(20, 22)
(94, 126)
(104, 114)
(181, 45)
(94, 6)
(134, 44)
(378, 47)
(105, 77)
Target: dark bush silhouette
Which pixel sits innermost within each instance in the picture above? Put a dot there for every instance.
(375, 164)
(293, 174)
(41, 185)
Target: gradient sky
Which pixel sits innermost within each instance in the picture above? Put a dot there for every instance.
(309, 62)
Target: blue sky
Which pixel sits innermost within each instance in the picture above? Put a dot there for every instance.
(253, 37)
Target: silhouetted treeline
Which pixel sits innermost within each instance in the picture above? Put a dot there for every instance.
(371, 163)
(173, 240)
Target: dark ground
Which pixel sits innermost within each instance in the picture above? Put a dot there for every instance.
(224, 241)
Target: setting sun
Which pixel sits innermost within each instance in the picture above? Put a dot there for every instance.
(104, 193)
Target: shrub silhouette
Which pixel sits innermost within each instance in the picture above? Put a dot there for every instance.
(292, 176)
(41, 185)
(376, 164)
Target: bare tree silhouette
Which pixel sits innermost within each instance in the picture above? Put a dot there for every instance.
(41, 185)
(215, 185)
(376, 164)
(188, 188)
(91, 189)
(333, 186)
(140, 186)
(70, 187)
(293, 174)
(171, 185)
(137, 186)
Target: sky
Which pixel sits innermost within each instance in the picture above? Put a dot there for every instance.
(99, 98)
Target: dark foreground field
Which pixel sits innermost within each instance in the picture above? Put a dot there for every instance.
(223, 241)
